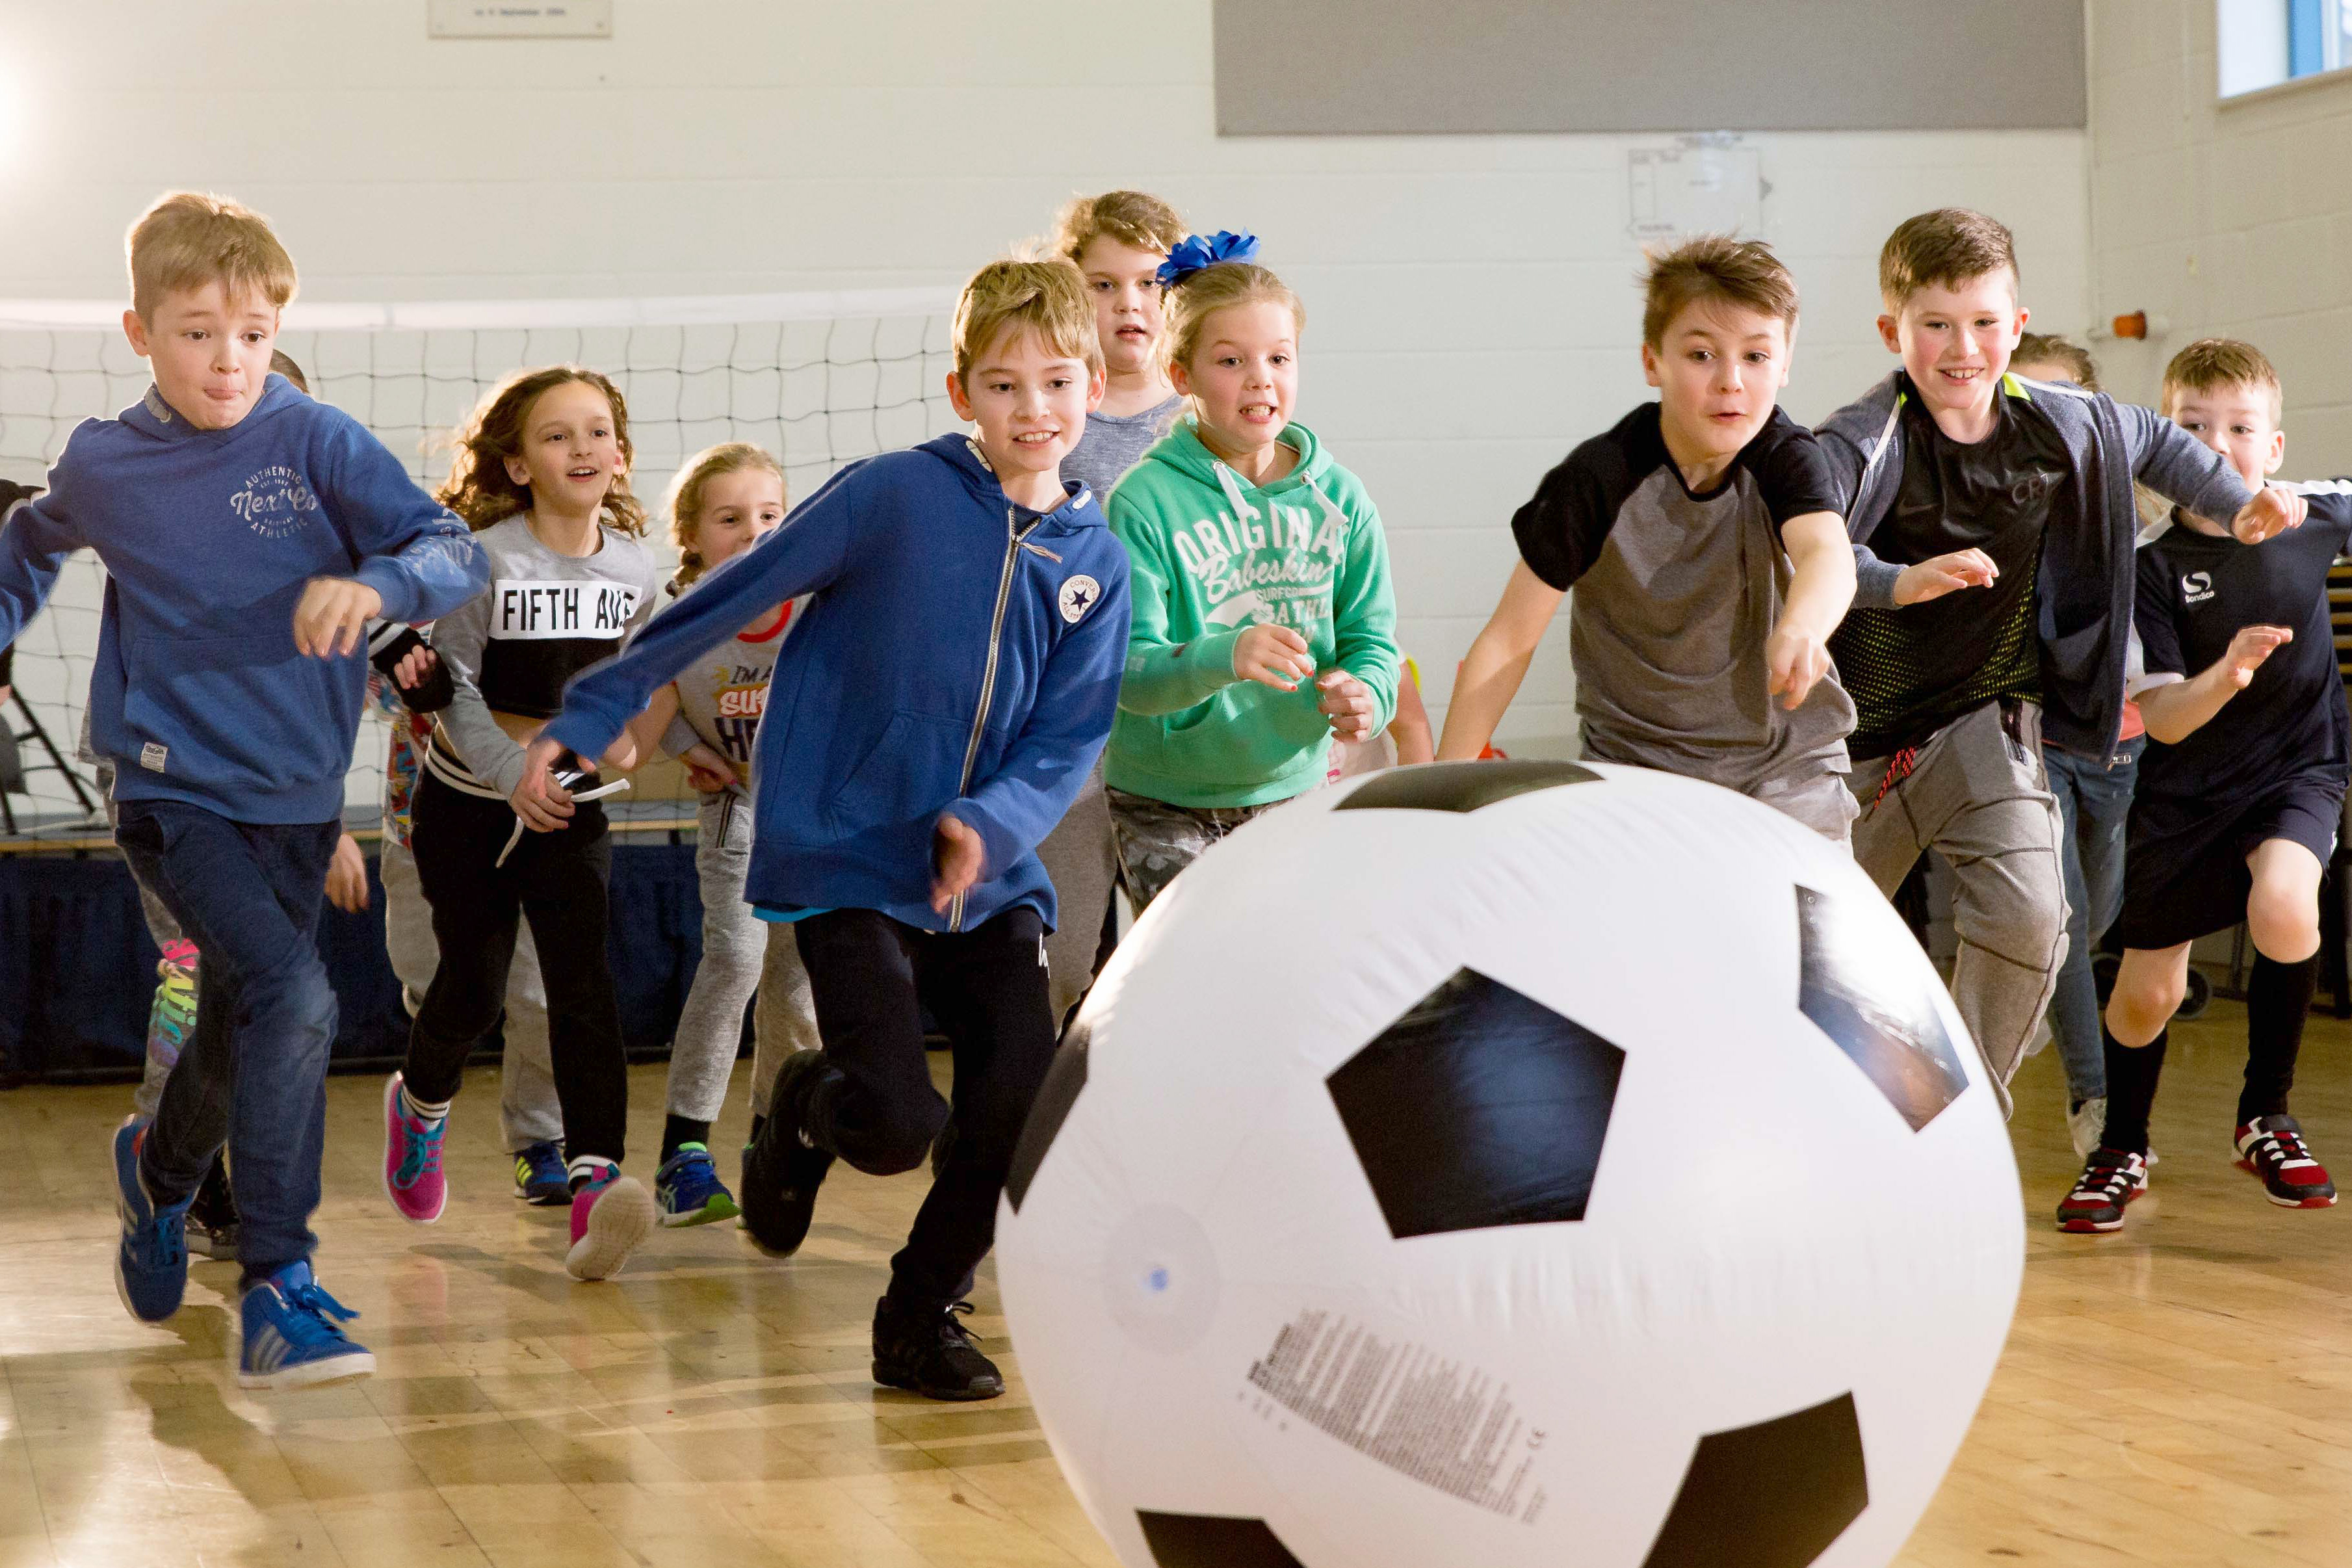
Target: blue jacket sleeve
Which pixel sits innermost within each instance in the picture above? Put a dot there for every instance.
(417, 554)
(36, 534)
(1069, 722)
(804, 557)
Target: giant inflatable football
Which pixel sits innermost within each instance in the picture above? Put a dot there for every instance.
(1513, 1163)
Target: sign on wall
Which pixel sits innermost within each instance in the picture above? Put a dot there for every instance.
(519, 18)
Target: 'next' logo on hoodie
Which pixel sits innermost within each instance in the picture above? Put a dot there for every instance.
(276, 502)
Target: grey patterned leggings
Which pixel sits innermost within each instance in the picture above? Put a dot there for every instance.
(1156, 840)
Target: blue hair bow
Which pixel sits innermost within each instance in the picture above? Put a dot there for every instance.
(1193, 253)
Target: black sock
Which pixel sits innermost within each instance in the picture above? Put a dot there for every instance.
(2278, 999)
(2131, 1091)
(681, 1130)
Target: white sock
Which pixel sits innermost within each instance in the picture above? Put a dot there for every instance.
(421, 1110)
(586, 1169)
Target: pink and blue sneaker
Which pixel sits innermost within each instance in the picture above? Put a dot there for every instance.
(411, 1158)
(612, 1215)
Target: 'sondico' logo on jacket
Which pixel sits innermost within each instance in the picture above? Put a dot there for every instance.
(1079, 594)
(2197, 587)
(276, 502)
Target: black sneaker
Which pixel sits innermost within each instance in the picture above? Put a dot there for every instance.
(931, 1353)
(2111, 1179)
(2271, 1148)
(212, 1216)
(781, 1169)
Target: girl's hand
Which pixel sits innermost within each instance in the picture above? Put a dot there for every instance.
(705, 770)
(1273, 656)
(333, 616)
(1347, 705)
(958, 857)
(1932, 579)
(347, 876)
(544, 806)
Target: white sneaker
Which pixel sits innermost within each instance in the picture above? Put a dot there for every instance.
(2085, 1125)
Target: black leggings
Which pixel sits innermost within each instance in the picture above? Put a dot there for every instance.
(871, 978)
(556, 880)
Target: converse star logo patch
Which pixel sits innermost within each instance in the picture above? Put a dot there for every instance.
(1078, 595)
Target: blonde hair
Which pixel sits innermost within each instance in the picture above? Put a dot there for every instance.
(1195, 297)
(1943, 249)
(2049, 347)
(1045, 297)
(187, 239)
(2209, 364)
(1714, 267)
(479, 489)
(684, 502)
(1133, 219)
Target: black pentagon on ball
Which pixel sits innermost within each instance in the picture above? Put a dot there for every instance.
(1478, 1107)
(1048, 1111)
(1460, 786)
(1212, 1540)
(1881, 1013)
(1774, 1495)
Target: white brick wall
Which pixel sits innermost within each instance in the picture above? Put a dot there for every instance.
(1472, 308)
(2225, 218)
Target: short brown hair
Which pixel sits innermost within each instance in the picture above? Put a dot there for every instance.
(685, 502)
(188, 239)
(1047, 297)
(1133, 219)
(479, 489)
(1943, 249)
(2049, 347)
(2209, 364)
(283, 363)
(1742, 272)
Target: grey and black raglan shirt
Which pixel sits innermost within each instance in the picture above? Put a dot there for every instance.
(1914, 670)
(1675, 596)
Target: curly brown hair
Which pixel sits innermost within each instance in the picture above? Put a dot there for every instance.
(685, 505)
(478, 487)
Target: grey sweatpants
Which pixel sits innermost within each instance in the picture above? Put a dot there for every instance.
(741, 954)
(528, 1109)
(1978, 794)
(1082, 864)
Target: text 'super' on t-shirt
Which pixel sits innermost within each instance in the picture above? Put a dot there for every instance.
(1914, 669)
(2194, 593)
(1675, 592)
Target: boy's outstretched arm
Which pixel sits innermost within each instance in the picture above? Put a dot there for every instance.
(37, 533)
(1497, 663)
(807, 554)
(417, 560)
(2185, 471)
(1011, 811)
(2175, 709)
(1820, 586)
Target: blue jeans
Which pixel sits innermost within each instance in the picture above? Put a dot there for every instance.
(254, 1072)
(2095, 802)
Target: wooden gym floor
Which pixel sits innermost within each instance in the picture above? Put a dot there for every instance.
(2179, 1395)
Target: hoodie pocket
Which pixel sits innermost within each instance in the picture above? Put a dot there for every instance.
(222, 713)
(910, 772)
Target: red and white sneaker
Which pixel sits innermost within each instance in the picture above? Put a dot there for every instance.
(2272, 1148)
(2111, 1179)
(610, 1217)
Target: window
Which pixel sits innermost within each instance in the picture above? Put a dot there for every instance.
(2266, 42)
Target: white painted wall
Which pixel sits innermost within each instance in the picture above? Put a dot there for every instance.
(1472, 311)
(2224, 217)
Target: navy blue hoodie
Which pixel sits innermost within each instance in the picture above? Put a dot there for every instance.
(953, 659)
(208, 538)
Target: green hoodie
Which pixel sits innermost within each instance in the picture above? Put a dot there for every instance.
(1212, 556)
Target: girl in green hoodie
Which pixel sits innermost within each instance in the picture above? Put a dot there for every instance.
(1264, 626)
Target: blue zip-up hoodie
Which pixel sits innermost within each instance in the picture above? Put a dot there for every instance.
(950, 660)
(208, 538)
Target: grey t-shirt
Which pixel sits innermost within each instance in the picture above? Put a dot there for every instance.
(722, 694)
(1675, 594)
(1114, 443)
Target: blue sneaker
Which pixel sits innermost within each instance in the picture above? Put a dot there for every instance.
(151, 1265)
(539, 1175)
(689, 1189)
(291, 1340)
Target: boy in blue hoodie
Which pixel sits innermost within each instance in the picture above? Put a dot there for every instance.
(939, 706)
(248, 536)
